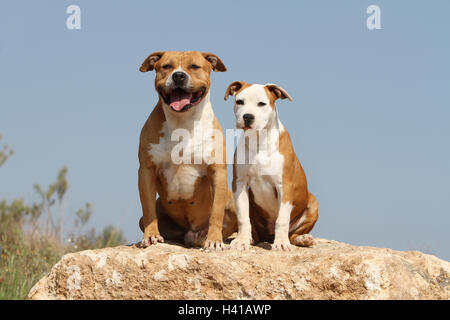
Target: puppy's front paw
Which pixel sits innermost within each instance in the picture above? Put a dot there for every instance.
(281, 246)
(213, 245)
(240, 244)
(147, 241)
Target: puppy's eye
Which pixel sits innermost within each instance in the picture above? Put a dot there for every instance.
(167, 66)
(240, 102)
(194, 67)
(261, 104)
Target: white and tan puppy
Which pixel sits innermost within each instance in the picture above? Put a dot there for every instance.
(269, 185)
(195, 205)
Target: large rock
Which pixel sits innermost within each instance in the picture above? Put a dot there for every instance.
(328, 270)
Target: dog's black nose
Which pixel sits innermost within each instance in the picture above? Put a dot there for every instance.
(248, 118)
(179, 77)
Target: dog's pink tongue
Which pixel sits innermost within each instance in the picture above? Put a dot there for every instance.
(178, 100)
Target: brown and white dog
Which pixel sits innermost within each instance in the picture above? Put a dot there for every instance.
(272, 198)
(195, 205)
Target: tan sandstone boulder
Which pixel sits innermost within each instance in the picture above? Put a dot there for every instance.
(328, 270)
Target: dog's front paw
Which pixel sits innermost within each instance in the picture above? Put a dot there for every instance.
(281, 246)
(240, 244)
(147, 241)
(211, 245)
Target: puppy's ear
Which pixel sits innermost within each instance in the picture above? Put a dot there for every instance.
(233, 88)
(279, 92)
(149, 62)
(216, 63)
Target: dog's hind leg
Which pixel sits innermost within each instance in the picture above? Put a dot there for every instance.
(167, 227)
(298, 234)
(197, 238)
(229, 225)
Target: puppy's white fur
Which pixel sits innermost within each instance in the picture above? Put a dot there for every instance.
(253, 174)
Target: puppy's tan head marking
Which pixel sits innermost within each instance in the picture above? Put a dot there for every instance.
(277, 91)
(234, 88)
(254, 105)
(182, 78)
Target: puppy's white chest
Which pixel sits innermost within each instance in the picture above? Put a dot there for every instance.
(265, 194)
(264, 179)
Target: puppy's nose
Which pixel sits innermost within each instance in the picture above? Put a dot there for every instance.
(248, 118)
(179, 77)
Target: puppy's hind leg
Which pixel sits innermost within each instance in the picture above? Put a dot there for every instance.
(299, 235)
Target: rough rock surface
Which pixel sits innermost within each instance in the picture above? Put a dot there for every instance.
(328, 270)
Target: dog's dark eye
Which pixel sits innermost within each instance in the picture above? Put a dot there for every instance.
(261, 104)
(194, 66)
(167, 66)
(241, 102)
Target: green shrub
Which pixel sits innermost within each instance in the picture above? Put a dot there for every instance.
(32, 239)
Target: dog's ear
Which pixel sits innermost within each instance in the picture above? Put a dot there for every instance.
(233, 88)
(216, 63)
(149, 62)
(278, 91)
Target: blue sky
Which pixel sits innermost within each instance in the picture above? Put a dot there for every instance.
(370, 120)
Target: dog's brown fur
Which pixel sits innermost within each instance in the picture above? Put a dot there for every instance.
(209, 215)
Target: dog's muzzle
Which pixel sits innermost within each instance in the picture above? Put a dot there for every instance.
(248, 119)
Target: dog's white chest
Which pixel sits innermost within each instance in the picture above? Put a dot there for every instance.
(180, 174)
(181, 180)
